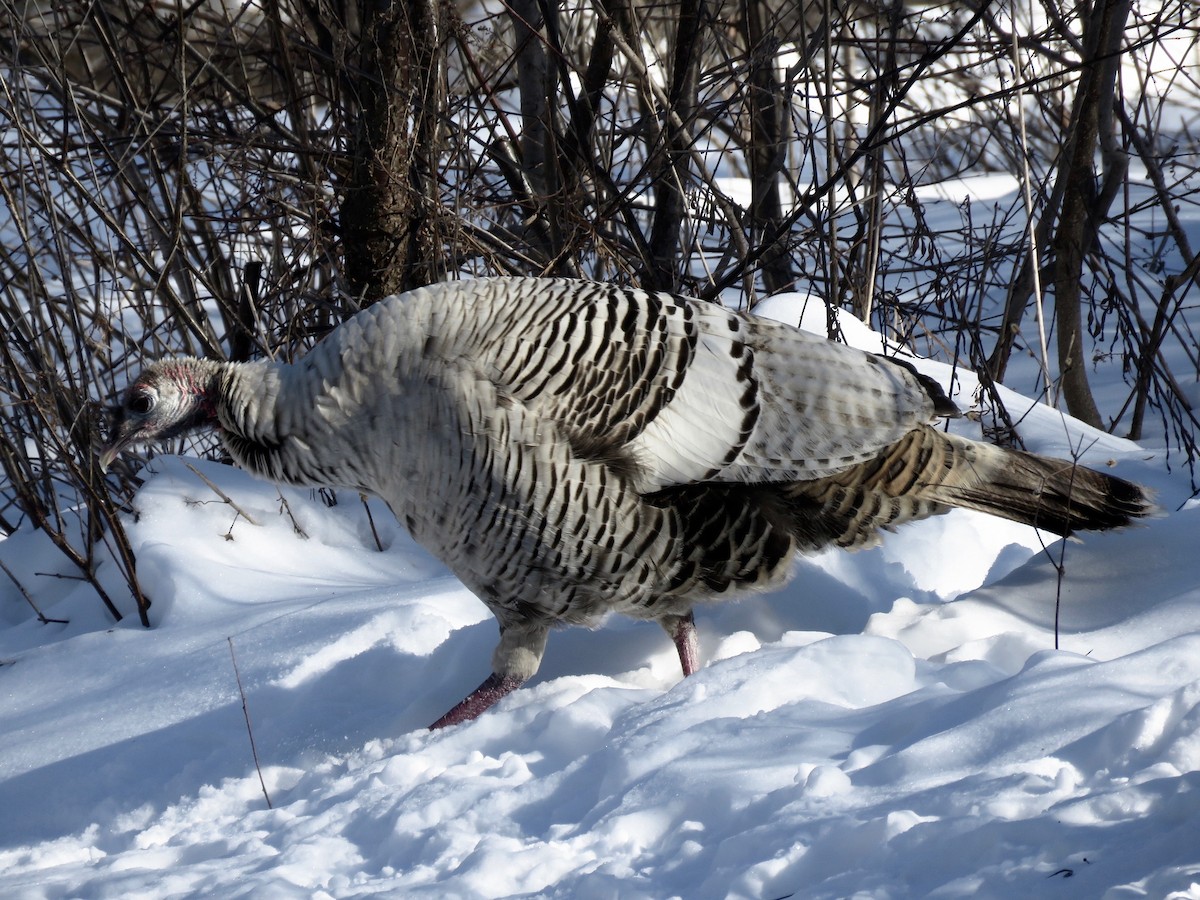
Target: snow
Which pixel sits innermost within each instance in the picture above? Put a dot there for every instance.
(894, 723)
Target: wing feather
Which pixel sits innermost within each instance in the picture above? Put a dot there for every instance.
(684, 391)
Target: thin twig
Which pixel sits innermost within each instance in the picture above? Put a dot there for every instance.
(28, 599)
(287, 508)
(249, 730)
(1026, 180)
(220, 493)
(371, 520)
(1060, 567)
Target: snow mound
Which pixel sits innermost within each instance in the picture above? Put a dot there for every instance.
(894, 723)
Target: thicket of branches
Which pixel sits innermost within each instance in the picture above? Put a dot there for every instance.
(232, 179)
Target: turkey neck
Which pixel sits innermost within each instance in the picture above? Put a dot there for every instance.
(334, 418)
(250, 399)
(267, 415)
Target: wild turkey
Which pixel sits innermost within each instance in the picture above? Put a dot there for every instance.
(570, 449)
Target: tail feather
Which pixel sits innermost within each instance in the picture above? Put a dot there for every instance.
(928, 472)
(1054, 494)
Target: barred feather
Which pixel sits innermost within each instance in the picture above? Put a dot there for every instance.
(572, 449)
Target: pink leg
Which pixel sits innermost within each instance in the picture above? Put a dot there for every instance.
(682, 630)
(484, 696)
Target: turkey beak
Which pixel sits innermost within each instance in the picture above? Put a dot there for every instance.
(111, 452)
(125, 435)
(107, 455)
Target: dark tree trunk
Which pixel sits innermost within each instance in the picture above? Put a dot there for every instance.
(674, 175)
(389, 213)
(1081, 203)
(535, 29)
(767, 144)
(863, 266)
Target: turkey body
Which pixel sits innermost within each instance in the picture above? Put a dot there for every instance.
(571, 449)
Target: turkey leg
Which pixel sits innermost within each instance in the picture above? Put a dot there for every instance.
(484, 696)
(515, 661)
(682, 630)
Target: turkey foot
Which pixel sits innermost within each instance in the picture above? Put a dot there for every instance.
(480, 699)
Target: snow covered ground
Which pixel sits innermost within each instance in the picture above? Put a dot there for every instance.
(895, 723)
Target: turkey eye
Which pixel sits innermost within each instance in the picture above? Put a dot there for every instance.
(140, 404)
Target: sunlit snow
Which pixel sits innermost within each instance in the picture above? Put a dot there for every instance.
(894, 723)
